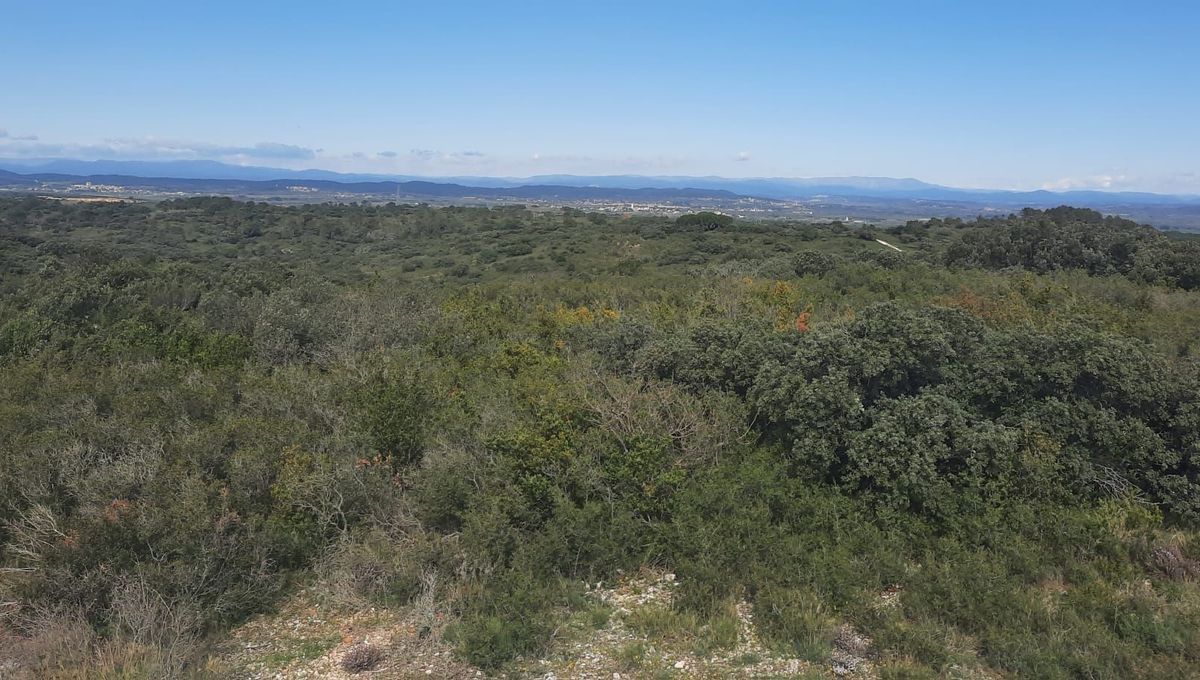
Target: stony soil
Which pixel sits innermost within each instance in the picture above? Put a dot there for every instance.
(308, 639)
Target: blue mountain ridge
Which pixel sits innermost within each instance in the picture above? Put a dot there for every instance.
(765, 187)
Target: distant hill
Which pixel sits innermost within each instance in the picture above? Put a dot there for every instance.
(868, 199)
(413, 188)
(764, 187)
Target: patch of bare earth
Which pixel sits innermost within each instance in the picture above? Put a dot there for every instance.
(310, 639)
(615, 651)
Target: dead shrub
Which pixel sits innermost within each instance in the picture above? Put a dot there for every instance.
(151, 638)
(1169, 561)
(146, 618)
(702, 429)
(375, 568)
(355, 572)
(361, 658)
(46, 644)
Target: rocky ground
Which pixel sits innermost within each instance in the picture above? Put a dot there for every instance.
(308, 639)
(630, 633)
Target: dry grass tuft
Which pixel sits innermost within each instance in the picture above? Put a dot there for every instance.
(1173, 564)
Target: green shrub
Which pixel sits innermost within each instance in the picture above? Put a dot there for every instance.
(511, 618)
(203, 400)
(393, 408)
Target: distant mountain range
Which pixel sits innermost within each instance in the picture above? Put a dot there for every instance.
(51, 181)
(865, 199)
(771, 188)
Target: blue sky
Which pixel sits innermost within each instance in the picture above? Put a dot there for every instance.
(984, 94)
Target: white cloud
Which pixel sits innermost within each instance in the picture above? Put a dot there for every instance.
(449, 157)
(1090, 182)
(742, 156)
(421, 161)
(578, 164)
(273, 150)
(1166, 183)
(560, 158)
(150, 148)
(1180, 183)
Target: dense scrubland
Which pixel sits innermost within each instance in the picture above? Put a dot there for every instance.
(206, 403)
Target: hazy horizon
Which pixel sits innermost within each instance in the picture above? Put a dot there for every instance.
(172, 167)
